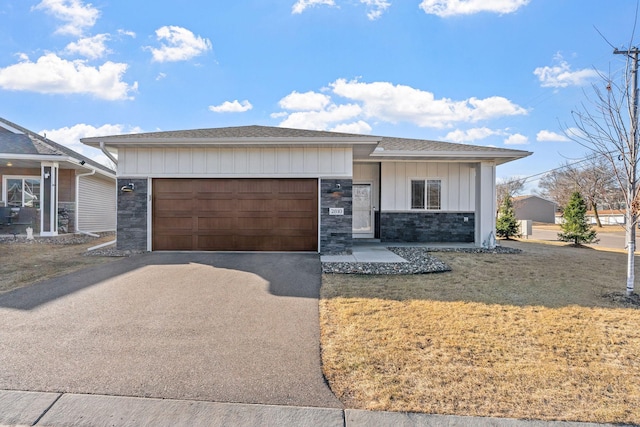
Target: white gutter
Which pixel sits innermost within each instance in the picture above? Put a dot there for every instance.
(93, 171)
(108, 154)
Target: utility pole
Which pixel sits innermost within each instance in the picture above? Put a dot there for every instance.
(632, 204)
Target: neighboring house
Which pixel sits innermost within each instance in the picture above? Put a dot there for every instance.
(50, 187)
(254, 188)
(534, 208)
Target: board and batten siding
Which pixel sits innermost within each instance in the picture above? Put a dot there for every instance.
(258, 162)
(458, 184)
(96, 204)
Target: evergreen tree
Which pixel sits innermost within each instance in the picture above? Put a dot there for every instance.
(507, 224)
(575, 227)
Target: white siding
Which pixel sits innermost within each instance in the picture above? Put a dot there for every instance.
(458, 184)
(96, 204)
(214, 162)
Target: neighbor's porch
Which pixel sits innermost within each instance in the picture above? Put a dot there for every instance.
(36, 194)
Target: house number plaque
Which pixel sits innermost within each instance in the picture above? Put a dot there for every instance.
(336, 211)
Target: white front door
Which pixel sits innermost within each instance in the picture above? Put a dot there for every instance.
(362, 211)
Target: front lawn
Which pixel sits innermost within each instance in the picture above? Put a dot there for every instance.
(545, 334)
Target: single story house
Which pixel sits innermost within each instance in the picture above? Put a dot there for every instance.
(51, 188)
(534, 208)
(254, 188)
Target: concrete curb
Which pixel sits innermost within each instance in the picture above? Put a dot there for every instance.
(25, 408)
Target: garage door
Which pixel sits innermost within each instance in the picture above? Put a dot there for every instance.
(235, 214)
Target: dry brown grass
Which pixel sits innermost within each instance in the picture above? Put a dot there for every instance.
(532, 335)
(27, 263)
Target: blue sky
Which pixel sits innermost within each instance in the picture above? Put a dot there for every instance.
(503, 73)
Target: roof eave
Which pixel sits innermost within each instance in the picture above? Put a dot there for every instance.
(244, 142)
(498, 157)
(59, 159)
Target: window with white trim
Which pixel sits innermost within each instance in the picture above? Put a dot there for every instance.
(22, 191)
(426, 194)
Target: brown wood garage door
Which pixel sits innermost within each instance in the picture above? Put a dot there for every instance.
(235, 214)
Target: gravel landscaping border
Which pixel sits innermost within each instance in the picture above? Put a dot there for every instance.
(61, 239)
(419, 261)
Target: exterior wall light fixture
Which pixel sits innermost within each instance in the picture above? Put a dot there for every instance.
(336, 190)
(128, 188)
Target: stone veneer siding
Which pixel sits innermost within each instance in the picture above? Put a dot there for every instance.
(132, 215)
(336, 231)
(415, 227)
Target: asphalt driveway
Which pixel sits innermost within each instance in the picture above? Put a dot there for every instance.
(203, 326)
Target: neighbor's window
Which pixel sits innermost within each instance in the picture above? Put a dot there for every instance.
(426, 194)
(23, 192)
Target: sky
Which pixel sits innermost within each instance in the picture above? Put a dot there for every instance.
(500, 73)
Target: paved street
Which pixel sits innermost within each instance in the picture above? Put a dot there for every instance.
(611, 237)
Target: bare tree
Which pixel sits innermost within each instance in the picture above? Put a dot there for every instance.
(608, 126)
(511, 187)
(592, 177)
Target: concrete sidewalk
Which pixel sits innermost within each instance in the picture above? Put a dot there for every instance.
(59, 410)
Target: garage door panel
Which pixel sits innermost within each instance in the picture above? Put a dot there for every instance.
(215, 205)
(235, 214)
(176, 223)
(174, 242)
(304, 224)
(217, 223)
(212, 186)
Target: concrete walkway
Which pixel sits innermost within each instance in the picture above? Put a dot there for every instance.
(60, 410)
(373, 252)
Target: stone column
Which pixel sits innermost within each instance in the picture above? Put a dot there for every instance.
(132, 227)
(336, 216)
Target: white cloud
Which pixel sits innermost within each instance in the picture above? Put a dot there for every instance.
(561, 75)
(308, 101)
(548, 136)
(447, 8)
(301, 5)
(161, 76)
(516, 139)
(181, 45)
(127, 33)
(399, 103)
(385, 102)
(359, 127)
(232, 107)
(321, 120)
(52, 74)
(70, 137)
(75, 15)
(375, 8)
(471, 135)
(90, 47)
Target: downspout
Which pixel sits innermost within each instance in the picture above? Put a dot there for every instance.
(115, 162)
(93, 171)
(108, 154)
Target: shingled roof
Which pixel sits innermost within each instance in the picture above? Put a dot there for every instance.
(234, 132)
(26, 142)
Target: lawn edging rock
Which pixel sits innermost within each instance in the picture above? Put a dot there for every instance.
(419, 261)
